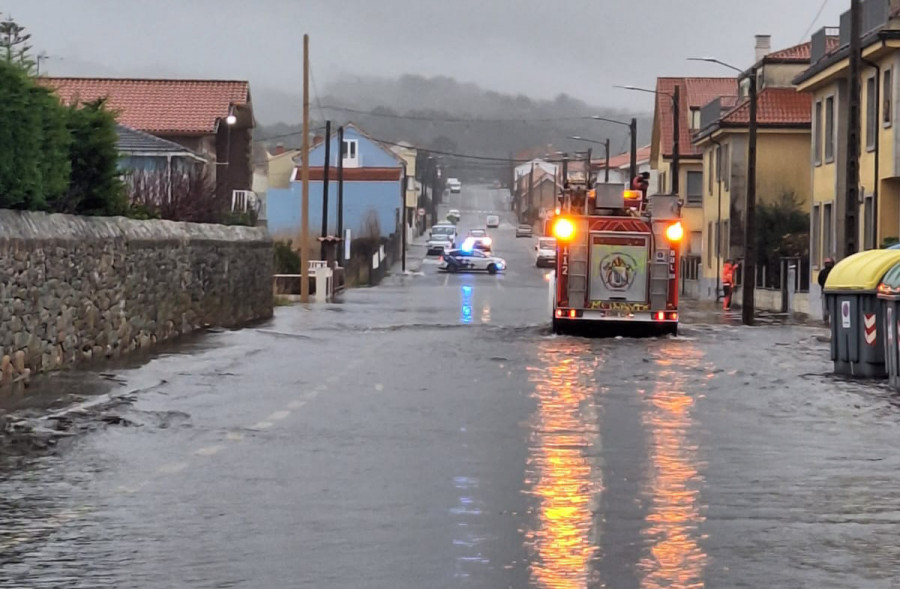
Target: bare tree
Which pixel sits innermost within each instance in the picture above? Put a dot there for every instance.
(190, 195)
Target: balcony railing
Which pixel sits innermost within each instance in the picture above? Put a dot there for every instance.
(713, 110)
(820, 42)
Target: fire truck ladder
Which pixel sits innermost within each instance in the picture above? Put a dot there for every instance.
(659, 283)
(578, 271)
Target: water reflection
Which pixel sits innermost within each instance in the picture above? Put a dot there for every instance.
(561, 474)
(465, 311)
(675, 557)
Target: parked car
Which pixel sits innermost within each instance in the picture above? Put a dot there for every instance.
(524, 230)
(545, 250)
(445, 228)
(454, 185)
(493, 221)
(438, 244)
(469, 261)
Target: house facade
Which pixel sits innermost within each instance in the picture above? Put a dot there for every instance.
(152, 167)
(212, 118)
(372, 187)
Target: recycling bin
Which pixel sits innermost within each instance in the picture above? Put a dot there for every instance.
(889, 296)
(857, 314)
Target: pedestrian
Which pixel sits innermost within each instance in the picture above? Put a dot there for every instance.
(823, 277)
(728, 271)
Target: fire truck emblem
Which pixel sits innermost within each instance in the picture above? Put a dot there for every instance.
(618, 271)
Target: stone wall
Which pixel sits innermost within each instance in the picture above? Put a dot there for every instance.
(77, 288)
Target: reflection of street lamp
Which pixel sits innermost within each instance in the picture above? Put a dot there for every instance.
(676, 127)
(605, 145)
(632, 130)
(749, 302)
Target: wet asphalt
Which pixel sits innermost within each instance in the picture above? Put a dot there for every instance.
(432, 433)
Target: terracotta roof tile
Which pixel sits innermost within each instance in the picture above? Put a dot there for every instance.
(776, 106)
(623, 160)
(801, 53)
(163, 107)
(695, 93)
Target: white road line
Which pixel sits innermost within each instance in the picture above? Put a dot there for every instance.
(262, 425)
(234, 436)
(279, 415)
(209, 450)
(172, 468)
(446, 279)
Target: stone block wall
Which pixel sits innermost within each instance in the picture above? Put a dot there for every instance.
(77, 288)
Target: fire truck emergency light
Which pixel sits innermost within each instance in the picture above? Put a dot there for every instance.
(675, 231)
(633, 195)
(563, 229)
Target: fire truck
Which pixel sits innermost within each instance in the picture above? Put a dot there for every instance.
(618, 255)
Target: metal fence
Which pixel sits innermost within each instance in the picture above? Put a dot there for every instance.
(773, 274)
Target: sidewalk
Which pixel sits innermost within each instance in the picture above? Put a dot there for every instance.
(710, 312)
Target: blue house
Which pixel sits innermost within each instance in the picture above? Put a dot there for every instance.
(373, 196)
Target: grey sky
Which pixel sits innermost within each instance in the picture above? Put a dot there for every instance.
(533, 47)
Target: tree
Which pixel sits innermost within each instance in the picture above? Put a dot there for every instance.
(95, 187)
(21, 158)
(14, 46)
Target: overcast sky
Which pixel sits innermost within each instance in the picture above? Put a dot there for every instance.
(533, 47)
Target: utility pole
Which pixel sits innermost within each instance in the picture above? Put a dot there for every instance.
(632, 127)
(606, 175)
(531, 190)
(749, 303)
(304, 206)
(851, 227)
(403, 227)
(326, 180)
(340, 202)
(676, 147)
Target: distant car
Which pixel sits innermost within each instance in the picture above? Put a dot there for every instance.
(439, 244)
(524, 230)
(453, 216)
(454, 185)
(445, 228)
(471, 261)
(482, 243)
(493, 221)
(545, 252)
(477, 232)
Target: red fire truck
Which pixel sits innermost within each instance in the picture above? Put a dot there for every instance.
(618, 255)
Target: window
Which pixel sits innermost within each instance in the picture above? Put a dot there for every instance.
(827, 230)
(349, 149)
(709, 245)
(662, 183)
(695, 118)
(696, 242)
(887, 99)
(726, 239)
(815, 252)
(817, 129)
(695, 187)
(711, 160)
(871, 114)
(726, 166)
(829, 129)
(868, 223)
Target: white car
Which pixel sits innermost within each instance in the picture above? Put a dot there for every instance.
(493, 221)
(454, 185)
(445, 228)
(453, 215)
(546, 252)
(439, 244)
(471, 261)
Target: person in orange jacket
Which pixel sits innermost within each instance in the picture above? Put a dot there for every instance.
(728, 271)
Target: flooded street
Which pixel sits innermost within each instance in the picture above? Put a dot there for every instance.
(431, 432)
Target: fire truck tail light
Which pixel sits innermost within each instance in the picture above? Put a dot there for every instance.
(660, 316)
(672, 316)
(572, 314)
(563, 229)
(675, 231)
(559, 313)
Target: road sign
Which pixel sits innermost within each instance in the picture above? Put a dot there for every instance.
(845, 314)
(421, 212)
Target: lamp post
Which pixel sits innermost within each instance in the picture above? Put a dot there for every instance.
(605, 145)
(632, 130)
(749, 288)
(675, 97)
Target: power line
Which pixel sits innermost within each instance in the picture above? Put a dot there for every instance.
(312, 77)
(814, 21)
(439, 119)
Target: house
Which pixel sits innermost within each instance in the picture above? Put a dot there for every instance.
(538, 192)
(782, 170)
(620, 168)
(409, 154)
(826, 81)
(213, 118)
(694, 93)
(521, 173)
(372, 186)
(152, 166)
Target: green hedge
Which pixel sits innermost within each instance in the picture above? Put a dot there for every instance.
(53, 157)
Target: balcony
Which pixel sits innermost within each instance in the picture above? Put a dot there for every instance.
(820, 42)
(712, 112)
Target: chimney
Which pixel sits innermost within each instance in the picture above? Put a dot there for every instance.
(279, 149)
(763, 46)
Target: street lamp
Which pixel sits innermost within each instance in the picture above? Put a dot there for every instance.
(676, 127)
(605, 145)
(749, 297)
(632, 129)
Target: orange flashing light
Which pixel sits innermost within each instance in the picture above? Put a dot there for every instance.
(675, 231)
(633, 195)
(563, 229)
(572, 313)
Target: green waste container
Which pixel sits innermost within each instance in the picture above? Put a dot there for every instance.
(857, 315)
(889, 295)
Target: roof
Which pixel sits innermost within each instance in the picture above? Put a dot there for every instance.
(775, 106)
(801, 53)
(694, 93)
(168, 107)
(134, 141)
(352, 174)
(838, 54)
(623, 160)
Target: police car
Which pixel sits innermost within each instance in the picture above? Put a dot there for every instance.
(471, 259)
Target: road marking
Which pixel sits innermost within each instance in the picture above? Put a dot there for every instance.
(296, 404)
(446, 279)
(131, 490)
(262, 425)
(209, 451)
(234, 436)
(279, 415)
(172, 468)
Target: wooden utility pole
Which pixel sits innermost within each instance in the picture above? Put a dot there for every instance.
(304, 175)
(748, 305)
(851, 227)
(326, 180)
